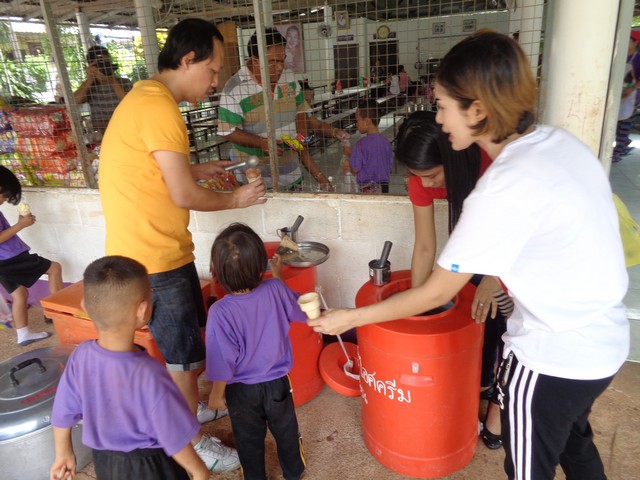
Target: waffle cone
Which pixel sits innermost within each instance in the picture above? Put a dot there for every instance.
(288, 243)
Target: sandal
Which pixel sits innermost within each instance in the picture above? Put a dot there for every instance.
(488, 393)
(491, 440)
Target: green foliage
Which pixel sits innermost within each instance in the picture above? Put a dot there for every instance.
(26, 79)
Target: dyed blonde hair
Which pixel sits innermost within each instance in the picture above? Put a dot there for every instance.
(492, 68)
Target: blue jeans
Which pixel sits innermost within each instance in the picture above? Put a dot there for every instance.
(178, 317)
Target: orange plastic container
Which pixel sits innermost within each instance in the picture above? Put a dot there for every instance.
(420, 380)
(305, 343)
(73, 325)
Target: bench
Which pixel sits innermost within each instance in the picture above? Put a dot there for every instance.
(342, 119)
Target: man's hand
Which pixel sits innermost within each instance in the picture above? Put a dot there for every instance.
(250, 194)
(208, 170)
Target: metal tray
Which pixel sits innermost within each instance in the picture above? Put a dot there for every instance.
(310, 254)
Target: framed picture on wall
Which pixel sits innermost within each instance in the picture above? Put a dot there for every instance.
(342, 19)
(294, 49)
(438, 28)
(469, 26)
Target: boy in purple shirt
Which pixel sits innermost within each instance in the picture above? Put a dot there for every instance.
(249, 353)
(20, 269)
(371, 158)
(134, 417)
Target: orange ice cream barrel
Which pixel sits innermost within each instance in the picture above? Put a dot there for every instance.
(420, 381)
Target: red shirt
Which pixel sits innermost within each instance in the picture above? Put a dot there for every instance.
(423, 196)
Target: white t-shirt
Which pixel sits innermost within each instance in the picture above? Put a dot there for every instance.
(542, 218)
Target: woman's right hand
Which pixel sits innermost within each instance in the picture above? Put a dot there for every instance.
(333, 321)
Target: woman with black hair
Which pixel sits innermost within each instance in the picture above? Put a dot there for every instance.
(439, 172)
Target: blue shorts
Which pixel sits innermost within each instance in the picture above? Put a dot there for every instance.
(178, 317)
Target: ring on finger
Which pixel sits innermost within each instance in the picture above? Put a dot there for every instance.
(482, 304)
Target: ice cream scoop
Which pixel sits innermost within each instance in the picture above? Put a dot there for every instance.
(250, 162)
(24, 210)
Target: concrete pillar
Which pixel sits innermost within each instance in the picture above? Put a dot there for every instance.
(84, 30)
(580, 71)
(147, 24)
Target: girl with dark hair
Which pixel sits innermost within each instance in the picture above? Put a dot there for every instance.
(20, 269)
(249, 354)
(439, 172)
(541, 218)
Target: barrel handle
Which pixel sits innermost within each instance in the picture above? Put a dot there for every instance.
(416, 380)
(20, 366)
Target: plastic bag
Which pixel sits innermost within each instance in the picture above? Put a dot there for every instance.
(630, 233)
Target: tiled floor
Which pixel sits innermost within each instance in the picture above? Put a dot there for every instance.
(625, 181)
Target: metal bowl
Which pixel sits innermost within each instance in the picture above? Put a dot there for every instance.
(309, 254)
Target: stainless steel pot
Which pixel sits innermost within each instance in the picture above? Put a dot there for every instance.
(28, 384)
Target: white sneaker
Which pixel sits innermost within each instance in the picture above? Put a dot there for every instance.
(206, 415)
(217, 457)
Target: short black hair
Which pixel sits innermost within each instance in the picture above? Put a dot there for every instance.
(273, 37)
(369, 109)
(238, 258)
(189, 35)
(111, 284)
(10, 186)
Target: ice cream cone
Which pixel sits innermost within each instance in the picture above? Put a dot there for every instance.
(310, 304)
(24, 210)
(253, 174)
(289, 244)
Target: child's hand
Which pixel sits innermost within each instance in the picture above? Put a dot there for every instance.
(276, 266)
(63, 468)
(216, 403)
(26, 221)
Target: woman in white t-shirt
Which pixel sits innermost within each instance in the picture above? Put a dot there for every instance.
(554, 242)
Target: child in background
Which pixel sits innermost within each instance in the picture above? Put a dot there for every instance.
(20, 269)
(371, 158)
(249, 353)
(134, 417)
(626, 111)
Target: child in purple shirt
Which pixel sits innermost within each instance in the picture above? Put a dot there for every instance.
(20, 269)
(134, 417)
(371, 158)
(249, 352)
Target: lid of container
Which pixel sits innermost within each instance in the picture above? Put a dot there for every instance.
(28, 383)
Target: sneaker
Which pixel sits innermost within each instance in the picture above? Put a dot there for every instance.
(627, 150)
(615, 159)
(206, 415)
(216, 456)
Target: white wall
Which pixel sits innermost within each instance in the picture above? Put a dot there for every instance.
(70, 229)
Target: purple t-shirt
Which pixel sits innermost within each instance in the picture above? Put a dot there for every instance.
(126, 400)
(372, 159)
(248, 335)
(12, 247)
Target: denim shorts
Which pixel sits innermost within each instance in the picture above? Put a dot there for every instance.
(178, 317)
